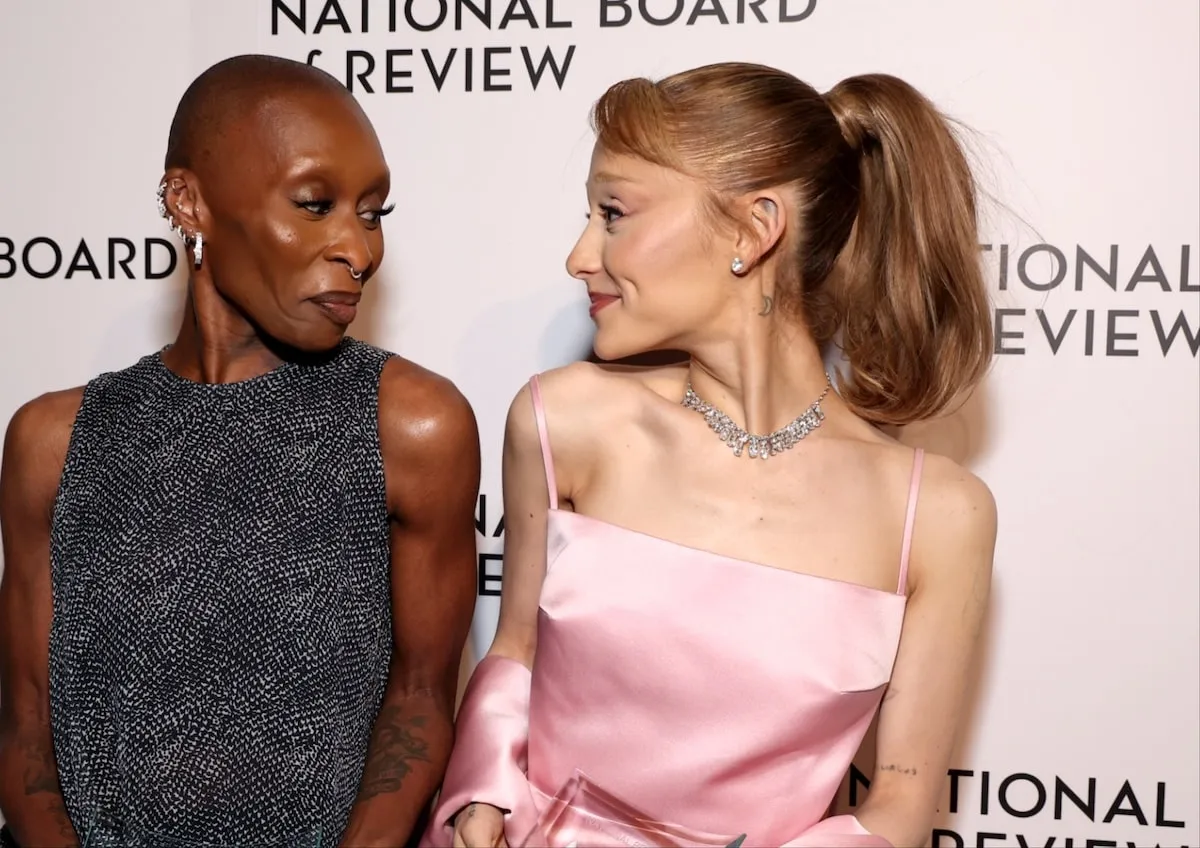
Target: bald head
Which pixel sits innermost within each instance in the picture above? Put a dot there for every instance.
(233, 90)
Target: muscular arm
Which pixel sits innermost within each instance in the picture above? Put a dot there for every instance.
(950, 573)
(431, 459)
(35, 449)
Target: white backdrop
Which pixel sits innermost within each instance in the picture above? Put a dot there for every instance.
(1086, 115)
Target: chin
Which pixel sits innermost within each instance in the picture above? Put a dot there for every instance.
(314, 342)
(611, 348)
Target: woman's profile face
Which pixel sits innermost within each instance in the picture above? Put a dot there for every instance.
(656, 271)
(294, 214)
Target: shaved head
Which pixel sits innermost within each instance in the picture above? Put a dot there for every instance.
(233, 90)
(276, 166)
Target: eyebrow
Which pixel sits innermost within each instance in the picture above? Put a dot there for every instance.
(609, 177)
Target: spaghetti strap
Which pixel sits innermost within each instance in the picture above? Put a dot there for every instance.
(539, 413)
(914, 489)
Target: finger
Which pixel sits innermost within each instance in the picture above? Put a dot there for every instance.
(458, 841)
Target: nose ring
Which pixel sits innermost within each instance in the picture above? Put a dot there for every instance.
(357, 276)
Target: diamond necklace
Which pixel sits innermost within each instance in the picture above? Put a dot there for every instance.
(762, 447)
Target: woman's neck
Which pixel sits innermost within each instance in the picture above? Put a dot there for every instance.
(762, 377)
(216, 343)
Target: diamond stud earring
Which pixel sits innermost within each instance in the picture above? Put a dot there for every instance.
(737, 266)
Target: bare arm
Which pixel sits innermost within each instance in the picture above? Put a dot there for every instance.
(431, 460)
(526, 511)
(951, 579)
(35, 449)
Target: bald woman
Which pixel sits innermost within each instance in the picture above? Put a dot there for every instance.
(239, 573)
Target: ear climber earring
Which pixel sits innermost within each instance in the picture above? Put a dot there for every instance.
(737, 266)
(198, 250)
(162, 211)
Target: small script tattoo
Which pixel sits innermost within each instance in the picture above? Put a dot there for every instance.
(396, 745)
(898, 769)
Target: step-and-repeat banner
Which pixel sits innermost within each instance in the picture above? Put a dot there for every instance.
(1083, 120)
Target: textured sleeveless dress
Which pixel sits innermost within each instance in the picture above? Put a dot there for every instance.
(221, 632)
(714, 695)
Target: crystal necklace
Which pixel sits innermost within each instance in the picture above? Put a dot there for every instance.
(762, 447)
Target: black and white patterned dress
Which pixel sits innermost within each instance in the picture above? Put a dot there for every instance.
(222, 619)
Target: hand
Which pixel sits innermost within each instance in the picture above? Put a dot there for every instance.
(479, 826)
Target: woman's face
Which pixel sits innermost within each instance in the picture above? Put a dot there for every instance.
(657, 274)
(295, 207)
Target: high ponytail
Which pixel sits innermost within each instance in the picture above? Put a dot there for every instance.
(884, 251)
(908, 295)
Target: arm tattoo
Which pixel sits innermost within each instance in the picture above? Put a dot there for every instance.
(40, 772)
(41, 778)
(898, 769)
(396, 745)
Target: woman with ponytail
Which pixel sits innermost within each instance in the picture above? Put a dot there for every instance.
(718, 572)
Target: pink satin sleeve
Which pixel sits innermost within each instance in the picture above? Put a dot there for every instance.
(838, 832)
(488, 763)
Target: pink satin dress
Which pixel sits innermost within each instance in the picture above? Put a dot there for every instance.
(713, 693)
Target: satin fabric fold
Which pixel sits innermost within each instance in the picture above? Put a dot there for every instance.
(489, 759)
(844, 831)
(712, 693)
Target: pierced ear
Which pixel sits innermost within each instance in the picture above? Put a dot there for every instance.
(764, 229)
(178, 203)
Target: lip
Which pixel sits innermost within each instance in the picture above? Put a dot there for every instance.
(599, 301)
(341, 306)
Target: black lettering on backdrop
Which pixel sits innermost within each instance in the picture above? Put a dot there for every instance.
(970, 791)
(1043, 268)
(439, 75)
(1160, 809)
(361, 67)
(489, 72)
(332, 15)
(1119, 808)
(55, 251)
(1148, 269)
(42, 258)
(394, 74)
(489, 579)
(130, 251)
(417, 15)
(619, 13)
(412, 21)
(481, 520)
(1063, 335)
(1002, 334)
(1006, 802)
(703, 8)
(1113, 336)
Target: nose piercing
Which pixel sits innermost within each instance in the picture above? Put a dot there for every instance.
(357, 276)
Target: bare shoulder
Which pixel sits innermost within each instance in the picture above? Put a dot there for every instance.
(589, 390)
(422, 411)
(42, 426)
(584, 405)
(36, 441)
(427, 428)
(956, 523)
